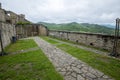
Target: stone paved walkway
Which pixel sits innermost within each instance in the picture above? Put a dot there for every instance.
(70, 67)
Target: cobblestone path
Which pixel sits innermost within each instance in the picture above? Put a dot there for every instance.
(70, 67)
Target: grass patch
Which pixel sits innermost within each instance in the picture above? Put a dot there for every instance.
(32, 65)
(50, 40)
(21, 45)
(107, 65)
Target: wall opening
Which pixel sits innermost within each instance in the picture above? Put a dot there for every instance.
(76, 41)
(8, 21)
(91, 44)
(105, 40)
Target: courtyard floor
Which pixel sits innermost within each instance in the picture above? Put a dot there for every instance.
(70, 67)
(50, 59)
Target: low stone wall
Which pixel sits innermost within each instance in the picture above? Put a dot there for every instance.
(95, 40)
(7, 32)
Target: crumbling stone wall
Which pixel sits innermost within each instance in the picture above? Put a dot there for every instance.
(95, 40)
(11, 17)
(27, 30)
(14, 18)
(7, 32)
(9, 27)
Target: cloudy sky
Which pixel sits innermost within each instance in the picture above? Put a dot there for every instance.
(63, 11)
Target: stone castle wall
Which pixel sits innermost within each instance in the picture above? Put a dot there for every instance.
(9, 27)
(95, 40)
(7, 32)
(28, 30)
(11, 17)
(8, 20)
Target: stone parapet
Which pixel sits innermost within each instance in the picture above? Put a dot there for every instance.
(96, 40)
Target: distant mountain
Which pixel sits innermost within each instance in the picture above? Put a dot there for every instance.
(109, 25)
(80, 27)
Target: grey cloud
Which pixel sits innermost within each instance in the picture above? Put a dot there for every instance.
(59, 11)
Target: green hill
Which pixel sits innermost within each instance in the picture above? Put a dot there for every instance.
(83, 27)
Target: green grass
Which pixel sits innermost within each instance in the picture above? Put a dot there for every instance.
(33, 65)
(50, 40)
(107, 65)
(21, 45)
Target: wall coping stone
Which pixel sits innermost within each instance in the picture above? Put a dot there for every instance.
(102, 35)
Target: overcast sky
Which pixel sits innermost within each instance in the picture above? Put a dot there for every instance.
(63, 11)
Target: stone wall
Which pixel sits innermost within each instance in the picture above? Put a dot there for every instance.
(7, 32)
(2, 15)
(9, 27)
(43, 31)
(95, 40)
(11, 17)
(28, 30)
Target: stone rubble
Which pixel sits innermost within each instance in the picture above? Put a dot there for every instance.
(68, 66)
